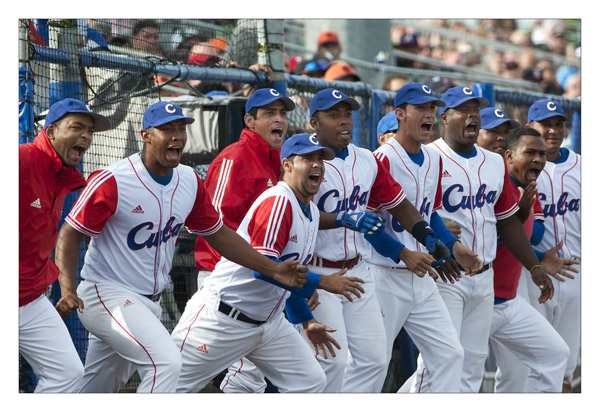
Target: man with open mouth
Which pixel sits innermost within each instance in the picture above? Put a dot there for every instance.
(477, 194)
(47, 173)
(133, 210)
(531, 356)
(352, 178)
(559, 188)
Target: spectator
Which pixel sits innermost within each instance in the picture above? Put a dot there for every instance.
(182, 50)
(573, 87)
(341, 71)
(394, 82)
(316, 67)
(144, 37)
(328, 44)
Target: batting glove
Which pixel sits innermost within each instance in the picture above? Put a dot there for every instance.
(437, 249)
(364, 222)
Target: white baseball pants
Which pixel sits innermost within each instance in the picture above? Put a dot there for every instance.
(414, 303)
(46, 345)
(563, 312)
(210, 341)
(127, 335)
(521, 329)
(359, 330)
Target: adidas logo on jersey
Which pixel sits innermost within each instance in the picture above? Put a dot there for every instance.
(445, 174)
(202, 348)
(269, 183)
(127, 303)
(36, 203)
(138, 209)
(294, 239)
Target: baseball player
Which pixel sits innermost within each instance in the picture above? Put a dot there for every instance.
(477, 194)
(559, 190)
(236, 315)
(237, 176)
(133, 210)
(516, 326)
(47, 173)
(352, 178)
(387, 127)
(407, 300)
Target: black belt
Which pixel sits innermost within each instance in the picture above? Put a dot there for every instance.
(236, 314)
(153, 298)
(483, 269)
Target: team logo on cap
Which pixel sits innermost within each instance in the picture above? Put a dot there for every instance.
(88, 108)
(336, 94)
(170, 108)
(467, 91)
(274, 92)
(499, 113)
(313, 139)
(551, 106)
(426, 89)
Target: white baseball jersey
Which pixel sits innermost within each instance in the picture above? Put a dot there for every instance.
(422, 188)
(348, 185)
(559, 189)
(276, 226)
(476, 194)
(134, 222)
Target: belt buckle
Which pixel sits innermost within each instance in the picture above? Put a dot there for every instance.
(344, 264)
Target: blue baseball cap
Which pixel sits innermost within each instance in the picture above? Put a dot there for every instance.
(164, 112)
(327, 98)
(304, 143)
(544, 109)
(66, 106)
(416, 93)
(263, 97)
(456, 96)
(388, 123)
(492, 117)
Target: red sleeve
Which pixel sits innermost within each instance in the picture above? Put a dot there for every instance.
(269, 228)
(203, 219)
(508, 201)
(386, 191)
(95, 204)
(230, 187)
(437, 204)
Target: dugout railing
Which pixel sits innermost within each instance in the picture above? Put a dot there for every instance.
(122, 85)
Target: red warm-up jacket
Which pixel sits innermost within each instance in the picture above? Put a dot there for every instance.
(237, 176)
(43, 185)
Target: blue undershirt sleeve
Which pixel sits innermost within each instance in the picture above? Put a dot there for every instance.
(537, 233)
(307, 290)
(385, 244)
(540, 255)
(297, 310)
(442, 232)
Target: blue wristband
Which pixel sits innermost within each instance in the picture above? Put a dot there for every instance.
(442, 232)
(385, 244)
(307, 290)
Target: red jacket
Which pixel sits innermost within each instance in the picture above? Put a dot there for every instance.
(237, 176)
(43, 185)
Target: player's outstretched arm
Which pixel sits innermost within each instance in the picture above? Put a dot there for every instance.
(232, 246)
(341, 285)
(514, 237)
(555, 266)
(528, 196)
(318, 335)
(466, 258)
(67, 258)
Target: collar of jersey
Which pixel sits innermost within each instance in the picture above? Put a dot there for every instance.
(564, 154)
(343, 154)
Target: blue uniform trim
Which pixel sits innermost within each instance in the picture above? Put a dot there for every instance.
(161, 180)
(442, 232)
(307, 290)
(297, 310)
(418, 158)
(502, 300)
(385, 244)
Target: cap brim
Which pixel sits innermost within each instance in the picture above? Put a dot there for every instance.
(354, 105)
(186, 120)
(423, 100)
(101, 123)
(547, 116)
(483, 102)
(512, 124)
(287, 102)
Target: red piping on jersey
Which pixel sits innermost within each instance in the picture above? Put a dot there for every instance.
(469, 180)
(481, 209)
(554, 214)
(562, 190)
(130, 335)
(353, 184)
(190, 327)
(236, 372)
(277, 305)
(159, 220)
(344, 186)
